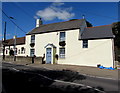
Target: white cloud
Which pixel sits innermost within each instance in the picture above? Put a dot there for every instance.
(57, 4)
(35, 17)
(55, 11)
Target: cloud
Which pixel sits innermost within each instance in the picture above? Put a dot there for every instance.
(35, 17)
(57, 4)
(55, 11)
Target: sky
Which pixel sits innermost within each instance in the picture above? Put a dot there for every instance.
(26, 13)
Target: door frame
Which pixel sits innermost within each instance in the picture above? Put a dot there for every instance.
(50, 55)
(52, 52)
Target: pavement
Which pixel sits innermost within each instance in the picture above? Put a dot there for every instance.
(84, 70)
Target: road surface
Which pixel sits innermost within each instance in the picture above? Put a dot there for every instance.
(108, 85)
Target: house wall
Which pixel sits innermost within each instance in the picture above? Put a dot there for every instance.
(41, 40)
(99, 51)
(18, 47)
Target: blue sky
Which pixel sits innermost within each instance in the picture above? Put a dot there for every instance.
(25, 14)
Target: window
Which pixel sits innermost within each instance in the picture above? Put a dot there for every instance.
(19, 51)
(22, 50)
(85, 43)
(32, 52)
(15, 51)
(6, 51)
(62, 36)
(32, 38)
(62, 52)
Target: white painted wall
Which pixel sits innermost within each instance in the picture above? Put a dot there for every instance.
(98, 52)
(18, 47)
(41, 40)
(27, 45)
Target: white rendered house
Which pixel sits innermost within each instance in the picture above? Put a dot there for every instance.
(73, 42)
(18, 46)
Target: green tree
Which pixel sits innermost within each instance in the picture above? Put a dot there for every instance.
(89, 24)
(116, 32)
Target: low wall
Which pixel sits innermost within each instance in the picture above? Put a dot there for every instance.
(24, 59)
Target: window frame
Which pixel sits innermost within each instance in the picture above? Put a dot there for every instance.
(62, 38)
(32, 39)
(85, 43)
(22, 50)
(32, 54)
(19, 51)
(61, 55)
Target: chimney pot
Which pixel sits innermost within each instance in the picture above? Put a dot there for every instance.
(38, 22)
(83, 16)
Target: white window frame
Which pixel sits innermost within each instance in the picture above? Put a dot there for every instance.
(85, 43)
(62, 38)
(61, 54)
(32, 38)
(32, 54)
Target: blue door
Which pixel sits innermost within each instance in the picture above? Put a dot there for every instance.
(48, 56)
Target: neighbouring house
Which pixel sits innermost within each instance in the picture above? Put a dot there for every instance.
(72, 42)
(18, 47)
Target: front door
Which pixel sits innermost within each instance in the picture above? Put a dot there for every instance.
(48, 55)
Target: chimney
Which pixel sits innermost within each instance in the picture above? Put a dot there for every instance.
(38, 22)
(83, 16)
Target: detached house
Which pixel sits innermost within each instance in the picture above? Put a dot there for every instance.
(72, 42)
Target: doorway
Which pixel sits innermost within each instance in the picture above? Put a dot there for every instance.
(48, 55)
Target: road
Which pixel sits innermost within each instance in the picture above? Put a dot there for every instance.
(101, 83)
(108, 85)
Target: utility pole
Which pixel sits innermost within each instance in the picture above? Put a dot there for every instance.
(4, 42)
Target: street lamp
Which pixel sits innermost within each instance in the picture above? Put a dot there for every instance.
(14, 37)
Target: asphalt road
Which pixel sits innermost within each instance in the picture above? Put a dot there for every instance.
(108, 85)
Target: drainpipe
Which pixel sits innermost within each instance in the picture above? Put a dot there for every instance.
(113, 53)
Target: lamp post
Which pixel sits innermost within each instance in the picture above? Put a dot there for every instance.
(14, 37)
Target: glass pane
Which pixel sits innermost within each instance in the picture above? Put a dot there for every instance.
(33, 39)
(62, 36)
(62, 52)
(32, 52)
(85, 43)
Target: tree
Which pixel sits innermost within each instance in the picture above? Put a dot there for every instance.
(89, 24)
(116, 32)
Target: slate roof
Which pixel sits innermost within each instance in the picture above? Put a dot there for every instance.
(60, 26)
(19, 41)
(98, 32)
